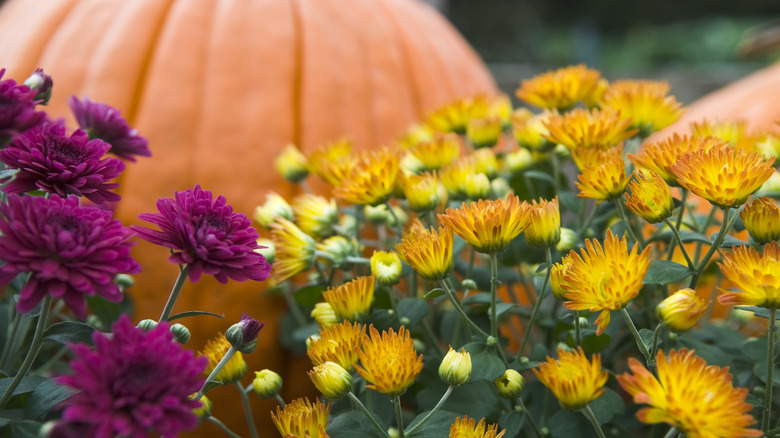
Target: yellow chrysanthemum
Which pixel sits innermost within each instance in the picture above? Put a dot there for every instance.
(519, 160)
(428, 252)
(658, 156)
(332, 380)
(315, 215)
(292, 164)
(294, 250)
(329, 153)
(389, 362)
(465, 427)
(544, 228)
(338, 343)
(604, 181)
(501, 106)
(334, 172)
(302, 418)
(604, 279)
(386, 266)
(573, 379)
(725, 176)
(324, 315)
(762, 220)
(732, 131)
(681, 310)
(757, 276)
(455, 176)
(579, 128)
(275, 205)
(215, 350)
(454, 117)
(455, 367)
(696, 398)
(351, 300)
(646, 103)
(414, 135)
(372, 180)
(768, 145)
(650, 197)
(557, 276)
(484, 132)
(489, 226)
(563, 88)
(485, 161)
(442, 150)
(422, 192)
(530, 130)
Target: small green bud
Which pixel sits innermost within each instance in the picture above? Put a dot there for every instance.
(124, 281)
(469, 284)
(490, 341)
(455, 368)
(181, 334)
(511, 384)
(267, 383)
(147, 324)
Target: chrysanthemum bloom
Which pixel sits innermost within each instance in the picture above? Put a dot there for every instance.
(476, 186)
(386, 267)
(681, 310)
(604, 279)
(332, 380)
(544, 228)
(415, 134)
(421, 191)
(489, 226)
(372, 180)
(558, 273)
(442, 150)
(351, 300)
(485, 161)
(647, 103)
(696, 398)
(428, 252)
(49, 160)
(315, 215)
(455, 176)
(101, 121)
(762, 220)
(510, 384)
(267, 383)
(275, 205)
(768, 145)
(580, 128)
(17, 113)
(301, 418)
(732, 131)
(484, 132)
(292, 164)
(337, 343)
(501, 106)
(207, 236)
(465, 427)
(71, 251)
(530, 130)
(132, 383)
(294, 250)
(519, 160)
(214, 351)
(573, 379)
(755, 275)
(725, 176)
(658, 156)
(389, 362)
(455, 367)
(605, 181)
(331, 152)
(454, 116)
(650, 197)
(324, 315)
(563, 88)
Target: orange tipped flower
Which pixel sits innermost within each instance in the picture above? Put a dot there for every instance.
(301, 418)
(332, 152)
(563, 88)
(696, 398)
(756, 275)
(389, 362)
(294, 250)
(544, 228)
(351, 300)
(606, 180)
(372, 180)
(660, 155)
(762, 220)
(604, 279)
(646, 103)
(429, 253)
(650, 197)
(573, 379)
(725, 176)
(337, 343)
(465, 427)
(599, 129)
(489, 226)
(681, 310)
(454, 116)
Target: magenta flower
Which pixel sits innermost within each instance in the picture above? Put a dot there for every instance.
(49, 160)
(250, 327)
(106, 123)
(133, 383)
(17, 108)
(71, 251)
(207, 236)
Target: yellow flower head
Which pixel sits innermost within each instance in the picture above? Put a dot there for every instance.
(768, 145)
(302, 418)
(563, 88)
(544, 229)
(650, 197)
(386, 267)
(315, 215)
(510, 384)
(455, 116)
(334, 172)
(332, 152)
(725, 176)
(681, 310)
(530, 130)
(324, 315)
(485, 161)
(338, 343)
(372, 179)
(275, 205)
(428, 252)
(214, 350)
(489, 226)
(389, 362)
(332, 380)
(484, 132)
(762, 220)
(422, 192)
(267, 383)
(696, 398)
(501, 106)
(292, 164)
(205, 407)
(756, 275)
(732, 131)
(477, 186)
(573, 379)
(646, 103)
(351, 300)
(579, 128)
(604, 181)
(456, 176)
(519, 160)
(465, 427)
(294, 250)
(605, 278)
(660, 155)
(455, 368)
(557, 275)
(414, 135)
(438, 152)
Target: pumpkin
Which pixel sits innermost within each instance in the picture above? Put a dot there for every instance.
(219, 87)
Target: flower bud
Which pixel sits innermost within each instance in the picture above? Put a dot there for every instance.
(544, 229)
(557, 273)
(42, 84)
(181, 334)
(292, 164)
(376, 214)
(511, 384)
(204, 410)
(347, 226)
(324, 315)
(500, 188)
(267, 249)
(483, 132)
(333, 381)
(569, 240)
(267, 383)
(681, 310)
(455, 368)
(762, 220)
(337, 249)
(124, 281)
(147, 324)
(243, 334)
(477, 186)
(275, 206)
(386, 267)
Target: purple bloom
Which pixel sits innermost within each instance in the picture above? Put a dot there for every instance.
(207, 236)
(106, 123)
(133, 383)
(250, 327)
(49, 160)
(71, 251)
(17, 108)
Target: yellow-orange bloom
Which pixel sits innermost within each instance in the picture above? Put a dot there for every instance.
(485, 161)
(428, 252)
(332, 380)
(604, 279)
(422, 192)
(604, 181)
(454, 116)
(386, 266)
(415, 134)
(646, 103)
(725, 176)
(301, 418)
(650, 197)
(294, 250)
(762, 220)
(389, 362)
(489, 226)
(465, 427)
(757, 276)
(332, 152)
(442, 150)
(337, 343)
(456, 176)
(573, 379)
(215, 350)
(681, 310)
(351, 300)
(658, 156)
(500, 106)
(544, 228)
(563, 88)
(696, 398)
(484, 132)
(315, 215)
(530, 130)
(732, 131)
(579, 128)
(275, 205)
(557, 276)
(372, 180)
(292, 164)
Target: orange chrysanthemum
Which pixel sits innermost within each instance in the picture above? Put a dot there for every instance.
(762, 220)
(489, 226)
(389, 362)
(351, 300)
(696, 398)
(315, 215)
(725, 176)
(438, 152)
(757, 276)
(544, 227)
(604, 279)
(302, 418)
(530, 130)
(465, 427)
(372, 180)
(338, 343)
(604, 181)
(579, 128)
(294, 250)
(563, 88)
(660, 155)
(332, 152)
(573, 379)
(646, 103)
(650, 197)
(428, 252)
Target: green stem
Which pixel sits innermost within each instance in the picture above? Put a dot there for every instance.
(530, 418)
(577, 329)
(228, 354)
(454, 300)
(250, 421)
(724, 229)
(368, 415)
(174, 293)
(680, 215)
(279, 400)
(295, 309)
(494, 282)
(691, 265)
(770, 369)
(399, 415)
(538, 304)
(672, 432)
(433, 411)
(396, 223)
(592, 417)
(629, 229)
(637, 338)
(358, 260)
(656, 338)
(587, 221)
(222, 426)
(15, 321)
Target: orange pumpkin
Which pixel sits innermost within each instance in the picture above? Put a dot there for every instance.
(219, 87)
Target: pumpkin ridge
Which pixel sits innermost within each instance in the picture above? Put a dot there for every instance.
(297, 78)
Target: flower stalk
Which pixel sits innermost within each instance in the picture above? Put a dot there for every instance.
(770, 370)
(247, 410)
(538, 304)
(637, 338)
(592, 418)
(368, 415)
(433, 411)
(228, 354)
(177, 286)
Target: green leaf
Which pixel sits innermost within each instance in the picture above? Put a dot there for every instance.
(25, 429)
(45, 396)
(27, 385)
(108, 312)
(310, 295)
(354, 424)
(412, 309)
(607, 406)
(648, 336)
(685, 235)
(69, 331)
(438, 426)
(502, 308)
(569, 201)
(211, 384)
(433, 293)
(485, 363)
(194, 313)
(712, 354)
(593, 344)
(543, 176)
(729, 241)
(513, 422)
(755, 349)
(666, 272)
(567, 424)
(760, 312)
(478, 298)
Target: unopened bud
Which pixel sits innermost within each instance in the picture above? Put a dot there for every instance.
(455, 368)
(147, 324)
(511, 384)
(332, 380)
(267, 383)
(181, 334)
(42, 84)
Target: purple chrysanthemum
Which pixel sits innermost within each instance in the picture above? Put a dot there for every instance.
(106, 123)
(17, 108)
(207, 236)
(133, 383)
(71, 251)
(51, 161)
